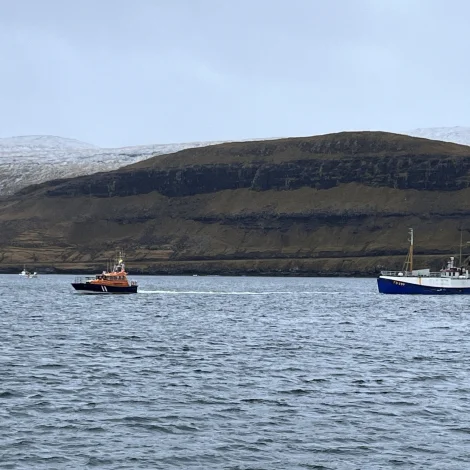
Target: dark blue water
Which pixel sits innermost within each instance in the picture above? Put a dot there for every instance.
(232, 373)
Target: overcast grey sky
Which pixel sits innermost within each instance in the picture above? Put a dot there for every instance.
(122, 72)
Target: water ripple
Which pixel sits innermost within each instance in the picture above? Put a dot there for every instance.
(232, 373)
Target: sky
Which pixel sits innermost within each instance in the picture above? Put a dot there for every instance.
(120, 72)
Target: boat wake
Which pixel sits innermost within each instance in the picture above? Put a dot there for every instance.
(189, 292)
(176, 292)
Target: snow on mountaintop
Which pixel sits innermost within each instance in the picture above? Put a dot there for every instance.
(33, 142)
(457, 134)
(27, 160)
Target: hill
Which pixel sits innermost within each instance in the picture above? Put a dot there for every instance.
(338, 203)
(28, 160)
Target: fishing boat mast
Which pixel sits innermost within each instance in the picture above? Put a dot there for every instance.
(408, 265)
(460, 252)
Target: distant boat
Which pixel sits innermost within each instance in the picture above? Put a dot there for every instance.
(449, 280)
(27, 274)
(113, 282)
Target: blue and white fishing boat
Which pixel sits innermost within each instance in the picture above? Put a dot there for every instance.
(449, 280)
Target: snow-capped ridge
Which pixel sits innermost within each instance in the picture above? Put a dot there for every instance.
(45, 142)
(456, 134)
(26, 160)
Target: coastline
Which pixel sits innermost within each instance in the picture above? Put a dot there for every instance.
(366, 266)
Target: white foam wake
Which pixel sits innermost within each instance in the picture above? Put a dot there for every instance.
(175, 292)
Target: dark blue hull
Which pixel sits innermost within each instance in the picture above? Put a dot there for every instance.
(88, 288)
(389, 286)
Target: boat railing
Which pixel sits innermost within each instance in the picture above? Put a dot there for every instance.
(409, 274)
(133, 283)
(83, 279)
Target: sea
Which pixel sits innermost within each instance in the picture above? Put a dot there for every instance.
(242, 373)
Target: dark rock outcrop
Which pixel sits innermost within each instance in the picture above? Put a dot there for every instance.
(372, 159)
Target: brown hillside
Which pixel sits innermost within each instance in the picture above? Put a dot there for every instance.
(339, 203)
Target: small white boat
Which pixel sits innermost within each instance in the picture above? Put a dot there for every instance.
(27, 274)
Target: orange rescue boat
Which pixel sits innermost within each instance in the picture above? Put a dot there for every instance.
(113, 282)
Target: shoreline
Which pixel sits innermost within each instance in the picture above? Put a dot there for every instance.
(196, 274)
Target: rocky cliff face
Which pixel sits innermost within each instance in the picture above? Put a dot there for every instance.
(326, 204)
(420, 173)
(372, 159)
